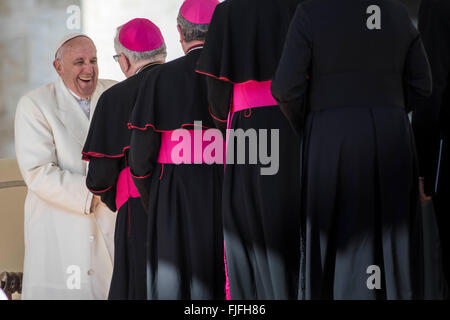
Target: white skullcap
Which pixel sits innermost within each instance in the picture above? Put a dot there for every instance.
(68, 37)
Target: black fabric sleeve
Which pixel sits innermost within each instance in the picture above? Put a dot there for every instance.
(102, 178)
(219, 100)
(428, 118)
(290, 84)
(144, 151)
(418, 83)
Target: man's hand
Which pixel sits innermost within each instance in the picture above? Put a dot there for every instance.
(423, 197)
(96, 201)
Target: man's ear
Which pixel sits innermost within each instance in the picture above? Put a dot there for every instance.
(58, 67)
(127, 63)
(181, 33)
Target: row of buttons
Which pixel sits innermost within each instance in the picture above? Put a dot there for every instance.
(90, 271)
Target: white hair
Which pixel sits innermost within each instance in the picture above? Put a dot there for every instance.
(60, 53)
(159, 54)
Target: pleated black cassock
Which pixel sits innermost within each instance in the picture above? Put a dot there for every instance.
(261, 212)
(360, 199)
(106, 149)
(431, 120)
(185, 258)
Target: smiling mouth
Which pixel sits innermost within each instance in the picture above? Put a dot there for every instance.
(85, 79)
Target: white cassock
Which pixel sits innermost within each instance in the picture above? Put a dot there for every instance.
(68, 250)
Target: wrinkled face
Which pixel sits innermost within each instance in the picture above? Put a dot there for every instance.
(77, 66)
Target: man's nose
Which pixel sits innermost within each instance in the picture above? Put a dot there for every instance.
(88, 68)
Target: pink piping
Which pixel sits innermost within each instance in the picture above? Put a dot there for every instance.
(102, 191)
(227, 282)
(86, 155)
(162, 171)
(131, 126)
(144, 177)
(214, 117)
(228, 80)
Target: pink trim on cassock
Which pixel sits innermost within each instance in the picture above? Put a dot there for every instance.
(125, 188)
(102, 191)
(162, 171)
(144, 177)
(131, 126)
(215, 118)
(86, 155)
(227, 282)
(217, 77)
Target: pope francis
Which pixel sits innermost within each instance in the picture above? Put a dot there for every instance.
(68, 231)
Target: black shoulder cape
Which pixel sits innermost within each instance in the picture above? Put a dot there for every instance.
(245, 39)
(172, 97)
(109, 135)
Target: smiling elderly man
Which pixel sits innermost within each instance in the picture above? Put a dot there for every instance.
(68, 232)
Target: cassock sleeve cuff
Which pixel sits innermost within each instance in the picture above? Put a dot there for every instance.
(141, 177)
(87, 209)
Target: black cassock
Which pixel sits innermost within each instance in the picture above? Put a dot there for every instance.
(431, 120)
(185, 258)
(261, 212)
(106, 149)
(362, 226)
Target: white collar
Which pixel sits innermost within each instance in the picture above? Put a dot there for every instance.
(146, 66)
(77, 97)
(195, 48)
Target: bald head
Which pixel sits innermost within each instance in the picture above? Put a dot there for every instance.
(76, 64)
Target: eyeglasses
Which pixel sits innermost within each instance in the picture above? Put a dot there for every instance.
(116, 57)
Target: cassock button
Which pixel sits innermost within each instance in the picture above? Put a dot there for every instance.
(91, 272)
(91, 239)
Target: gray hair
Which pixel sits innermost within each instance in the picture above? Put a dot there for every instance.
(192, 31)
(159, 54)
(59, 53)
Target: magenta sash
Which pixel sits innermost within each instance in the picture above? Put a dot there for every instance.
(252, 94)
(195, 146)
(248, 95)
(125, 188)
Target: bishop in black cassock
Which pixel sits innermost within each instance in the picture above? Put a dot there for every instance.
(261, 211)
(431, 119)
(140, 50)
(350, 73)
(181, 191)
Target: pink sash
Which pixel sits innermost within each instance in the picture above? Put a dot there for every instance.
(248, 95)
(125, 188)
(252, 94)
(196, 146)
